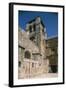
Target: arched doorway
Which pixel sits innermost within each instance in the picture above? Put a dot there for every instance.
(27, 55)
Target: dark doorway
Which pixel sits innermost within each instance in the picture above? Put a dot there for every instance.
(54, 69)
(27, 55)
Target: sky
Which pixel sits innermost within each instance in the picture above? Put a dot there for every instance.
(49, 19)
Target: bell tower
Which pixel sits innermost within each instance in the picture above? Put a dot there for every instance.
(37, 33)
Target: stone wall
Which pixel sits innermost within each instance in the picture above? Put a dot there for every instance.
(32, 68)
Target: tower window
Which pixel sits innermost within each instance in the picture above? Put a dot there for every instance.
(30, 28)
(34, 27)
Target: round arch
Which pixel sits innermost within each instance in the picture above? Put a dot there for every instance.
(27, 55)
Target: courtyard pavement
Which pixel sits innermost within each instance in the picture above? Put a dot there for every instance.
(48, 75)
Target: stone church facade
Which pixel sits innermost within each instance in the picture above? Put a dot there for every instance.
(32, 50)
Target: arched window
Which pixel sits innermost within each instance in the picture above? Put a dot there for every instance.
(27, 55)
(30, 28)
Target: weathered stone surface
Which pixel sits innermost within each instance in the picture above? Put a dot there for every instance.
(33, 51)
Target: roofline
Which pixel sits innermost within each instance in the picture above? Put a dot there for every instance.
(56, 36)
(35, 19)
